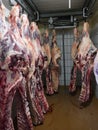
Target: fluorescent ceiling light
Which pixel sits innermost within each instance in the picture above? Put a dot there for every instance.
(69, 4)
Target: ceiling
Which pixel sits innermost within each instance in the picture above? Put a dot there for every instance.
(57, 12)
(57, 5)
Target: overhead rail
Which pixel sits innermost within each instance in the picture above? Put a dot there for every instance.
(75, 12)
(34, 7)
(32, 12)
(58, 18)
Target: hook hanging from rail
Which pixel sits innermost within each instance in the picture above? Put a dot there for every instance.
(85, 13)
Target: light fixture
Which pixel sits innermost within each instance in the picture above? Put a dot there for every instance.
(69, 4)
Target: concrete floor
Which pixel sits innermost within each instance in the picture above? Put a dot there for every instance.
(67, 116)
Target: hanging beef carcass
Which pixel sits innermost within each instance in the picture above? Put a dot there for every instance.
(39, 65)
(55, 54)
(35, 108)
(47, 64)
(84, 61)
(74, 52)
(75, 45)
(13, 57)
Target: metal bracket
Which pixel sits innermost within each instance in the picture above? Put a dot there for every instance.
(37, 16)
(50, 20)
(85, 12)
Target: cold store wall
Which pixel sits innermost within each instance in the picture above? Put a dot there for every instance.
(64, 40)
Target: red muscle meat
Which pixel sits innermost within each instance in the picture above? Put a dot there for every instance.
(47, 64)
(13, 57)
(74, 52)
(39, 66)
(84, 61)
(35, 108)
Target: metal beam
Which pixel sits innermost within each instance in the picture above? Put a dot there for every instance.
(64, 27)
(64, 13)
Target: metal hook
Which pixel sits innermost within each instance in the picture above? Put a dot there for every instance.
(85, 10)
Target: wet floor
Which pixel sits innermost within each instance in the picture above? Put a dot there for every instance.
(66, 114)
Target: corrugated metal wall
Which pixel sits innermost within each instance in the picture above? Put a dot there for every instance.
(65, 40)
